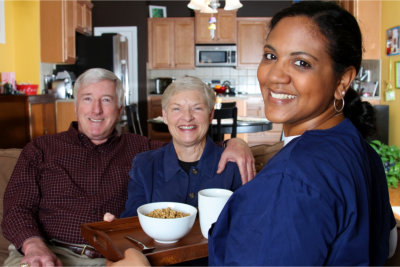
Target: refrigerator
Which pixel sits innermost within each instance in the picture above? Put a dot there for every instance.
(108, 51)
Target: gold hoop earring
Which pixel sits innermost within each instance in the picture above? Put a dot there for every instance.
(335, 106)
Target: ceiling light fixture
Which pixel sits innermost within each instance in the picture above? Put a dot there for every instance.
(211, 6)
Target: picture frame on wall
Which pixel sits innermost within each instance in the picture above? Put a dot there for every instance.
(397, 74)
(392, 41)
(157, 11)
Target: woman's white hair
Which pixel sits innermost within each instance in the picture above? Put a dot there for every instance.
(189, 83)
(96, 75)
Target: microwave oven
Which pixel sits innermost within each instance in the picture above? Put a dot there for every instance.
(215, 55)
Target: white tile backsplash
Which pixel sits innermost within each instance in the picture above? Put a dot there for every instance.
(252, 72)
(244, 80)
(45, 69)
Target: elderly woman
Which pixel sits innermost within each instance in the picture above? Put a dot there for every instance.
(188, 164)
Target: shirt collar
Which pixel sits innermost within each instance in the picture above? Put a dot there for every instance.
(287, 139)
(171, 164)
(85, 141)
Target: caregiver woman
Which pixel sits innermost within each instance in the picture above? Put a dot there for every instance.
(323, 199)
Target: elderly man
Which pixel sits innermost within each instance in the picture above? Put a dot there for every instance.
(74, 177)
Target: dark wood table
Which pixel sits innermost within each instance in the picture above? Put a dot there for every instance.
(244, 125)
(109, 239)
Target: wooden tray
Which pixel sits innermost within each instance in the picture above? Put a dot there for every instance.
(108, 238)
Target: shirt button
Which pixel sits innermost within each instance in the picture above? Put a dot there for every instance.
(191, 195)
(94, 211)
(195, 171)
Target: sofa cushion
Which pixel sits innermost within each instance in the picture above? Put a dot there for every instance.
(8, 159)
(263, 153)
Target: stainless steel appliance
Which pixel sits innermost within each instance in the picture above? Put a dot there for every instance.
(108, 51)
(216, 55)
(48, 82)
(162, 84)
(62, 85)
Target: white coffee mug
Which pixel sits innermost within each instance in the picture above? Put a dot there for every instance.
(211, 203)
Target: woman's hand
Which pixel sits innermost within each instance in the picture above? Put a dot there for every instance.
(238, 151)
(132, 257)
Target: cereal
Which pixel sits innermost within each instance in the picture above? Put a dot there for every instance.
(167, 213)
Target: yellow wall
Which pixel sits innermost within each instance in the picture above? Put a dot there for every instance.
(7, 62)
(21, 52)
(390, 18)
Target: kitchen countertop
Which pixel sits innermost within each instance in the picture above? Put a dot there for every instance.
(238, 96)
(230, 97)
(65, 100)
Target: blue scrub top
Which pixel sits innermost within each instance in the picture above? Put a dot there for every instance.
(322, 200)
(157, 176)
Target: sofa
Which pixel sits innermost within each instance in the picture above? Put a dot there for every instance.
(264, 152)
(8, 159)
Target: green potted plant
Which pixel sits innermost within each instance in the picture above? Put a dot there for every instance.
(390, 156)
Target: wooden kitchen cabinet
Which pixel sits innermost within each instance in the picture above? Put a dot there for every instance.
(43, 119)
(154, 110)
(370, 28)
(171, 43)
(84, 17)
(57, 31)
(251, 36)
(23, 118)
(368, 15)
(65, 114)
(59, 21)
(255, 108)
(226, 27)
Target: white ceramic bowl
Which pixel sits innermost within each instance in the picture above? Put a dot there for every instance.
(166, 230)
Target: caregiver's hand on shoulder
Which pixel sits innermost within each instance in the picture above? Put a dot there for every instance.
(238, 151)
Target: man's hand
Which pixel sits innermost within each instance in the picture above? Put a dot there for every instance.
(108, 217)
(238, 151)
(132, 258)
(38, 254)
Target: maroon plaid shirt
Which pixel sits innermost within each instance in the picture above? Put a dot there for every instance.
(61, 181)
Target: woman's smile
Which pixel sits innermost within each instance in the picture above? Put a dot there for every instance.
(187, 127)
(282, 96)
